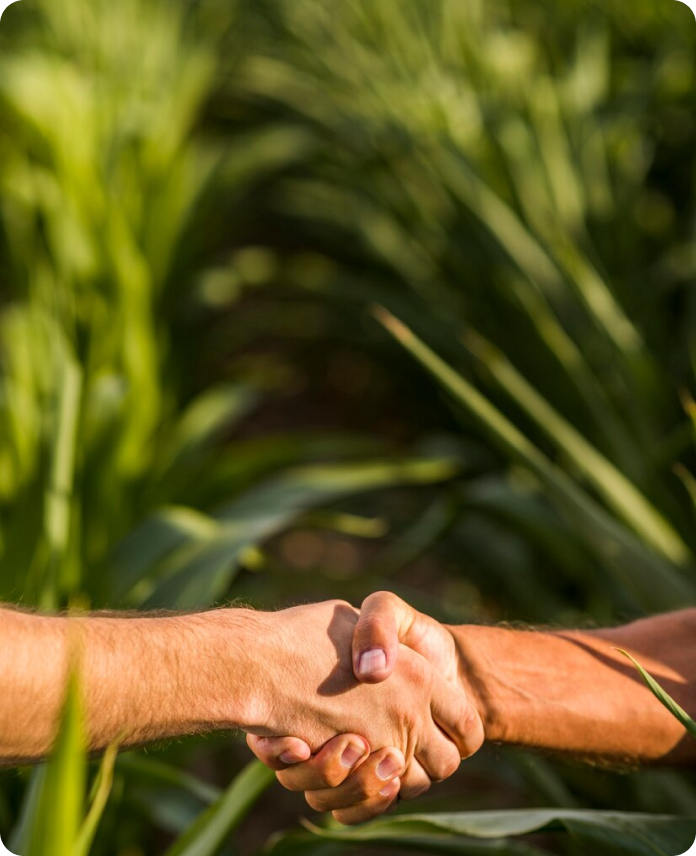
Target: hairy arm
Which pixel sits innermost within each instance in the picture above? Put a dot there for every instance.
(571, 692)
(142, 679)
(566, 692)
(149, 678)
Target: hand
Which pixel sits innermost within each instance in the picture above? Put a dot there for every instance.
(385, 621)
(310, 690)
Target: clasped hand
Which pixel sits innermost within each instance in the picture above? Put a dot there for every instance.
(373, 701)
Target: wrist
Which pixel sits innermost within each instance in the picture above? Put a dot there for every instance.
(234, 678)
(475, 676)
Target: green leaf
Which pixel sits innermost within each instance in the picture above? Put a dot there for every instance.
(663, 697)
(212, 829)
(200, 569)
(633, 562)
(199, 573)
(19, 839)
(153, 540)
(102, 790)
(615, 833)
(147, 772)
(204, 423)
(54, 829)
(618, 491)
(60, 485)
(304, 844)
(688, 481)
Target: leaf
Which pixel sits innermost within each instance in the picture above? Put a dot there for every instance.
(202, 424)
(153, 540)
(688, 481)
(620, 493)
(632, 561)
(162, 795)
(102, 790)
(148, 772)
(663, 697)
(19, 838)
(200, 569)
(214, 826)
(305, 844)
(54, 829)
(613, 833)
(60, 485)
(199, 573)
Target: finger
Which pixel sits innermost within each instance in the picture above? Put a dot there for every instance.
(329, 767)
(438, 756)
(457, 718)
(414, 782)
(279, 752)
(384, 619)
(372, 808)
(363, 785)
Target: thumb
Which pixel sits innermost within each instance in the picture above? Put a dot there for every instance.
(384, 621)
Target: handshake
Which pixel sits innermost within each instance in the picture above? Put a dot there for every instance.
(377, 695)
(354, 708)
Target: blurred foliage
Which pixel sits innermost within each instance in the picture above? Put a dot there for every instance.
(201, 203)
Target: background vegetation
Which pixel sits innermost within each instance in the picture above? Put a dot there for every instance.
(201, 203)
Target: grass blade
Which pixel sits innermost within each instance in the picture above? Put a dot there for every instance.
(54, 829)
(622, 552)
(212, 829)
(102, 789)
(663, 697)
(620, 493)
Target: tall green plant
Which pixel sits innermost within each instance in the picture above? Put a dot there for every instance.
(497, 184)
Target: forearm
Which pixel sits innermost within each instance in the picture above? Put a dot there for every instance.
(142, 679)
(571, 692)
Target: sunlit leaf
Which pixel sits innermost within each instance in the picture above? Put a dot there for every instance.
(663, 697)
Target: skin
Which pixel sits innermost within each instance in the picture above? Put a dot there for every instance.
(566, 692)
(266, 673)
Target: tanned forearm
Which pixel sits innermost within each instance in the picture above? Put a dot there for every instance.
(142, 679)
(571, 692)
(149, 678)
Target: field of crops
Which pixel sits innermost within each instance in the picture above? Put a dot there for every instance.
(303, 299)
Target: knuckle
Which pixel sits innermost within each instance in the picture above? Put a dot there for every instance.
(371, 621)
(364, 787)
(447, 767)
(329, 777)
(471, 718)
(472, 732)
(375, 624)
(382, 600)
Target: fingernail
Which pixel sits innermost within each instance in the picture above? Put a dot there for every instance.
(289, 758)
(352, 754)
(387, 767)
(389, 789)
(372, 661)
